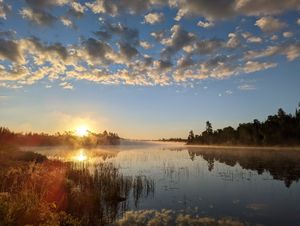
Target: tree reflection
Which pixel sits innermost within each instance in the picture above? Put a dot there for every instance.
(282, 165)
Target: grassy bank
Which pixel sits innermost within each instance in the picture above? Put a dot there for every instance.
(38, 191)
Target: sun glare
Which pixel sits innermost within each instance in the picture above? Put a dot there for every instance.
(82, 131)
(81, 156)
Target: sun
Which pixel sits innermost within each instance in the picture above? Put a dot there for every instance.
(81, 156)
(82, 131)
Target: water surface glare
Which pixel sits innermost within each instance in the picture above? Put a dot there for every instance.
(252, 185)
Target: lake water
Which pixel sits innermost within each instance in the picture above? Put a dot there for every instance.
(248, 185)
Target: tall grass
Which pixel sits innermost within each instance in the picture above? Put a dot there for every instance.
(37, 191)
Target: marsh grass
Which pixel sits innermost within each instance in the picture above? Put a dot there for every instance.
(38, 191)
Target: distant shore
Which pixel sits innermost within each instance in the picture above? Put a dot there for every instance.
(294, 148)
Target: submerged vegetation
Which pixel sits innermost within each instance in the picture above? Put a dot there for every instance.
(38, 191)
(279, 129)
(8, 137)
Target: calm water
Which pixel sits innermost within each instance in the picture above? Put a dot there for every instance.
(255, 186)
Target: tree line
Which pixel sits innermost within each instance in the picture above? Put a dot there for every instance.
(278, 129)
(8, 137)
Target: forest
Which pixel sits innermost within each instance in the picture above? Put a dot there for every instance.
(280, 129)
(7, 137)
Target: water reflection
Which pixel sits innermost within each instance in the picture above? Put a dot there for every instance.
(254, 186)
(282, 165)
(98, 196)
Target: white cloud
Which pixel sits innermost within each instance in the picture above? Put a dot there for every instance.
(205, 24)
(166, 217)
(37, 16)
(67, 21)
(66, 85)
(298, 21)
(288, 34)
(254, 66)
(270, 24)
(153, 18)
(291, 51)
(251, 38)
(145, 44)
(77, 9)
(4, 10)
(233, 40)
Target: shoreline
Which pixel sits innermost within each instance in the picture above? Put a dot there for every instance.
(291, 148)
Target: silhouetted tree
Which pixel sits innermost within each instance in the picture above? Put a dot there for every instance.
(209, 128)
(191, 137)
(279, 129)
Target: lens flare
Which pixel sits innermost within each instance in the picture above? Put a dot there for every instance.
(82, 131)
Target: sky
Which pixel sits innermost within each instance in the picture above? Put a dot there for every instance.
(146, 69)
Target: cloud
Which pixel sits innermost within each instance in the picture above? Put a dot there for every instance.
(246, 87)
(211, 10)
(10, 86)
(219, 67)
(254, 66)
(77, 10)
(38, 16)
(125, 33)
(220, 10)
(96, 51)
(158, 35)
(208, 46)
(66, 85)
(251, 38)
(270, 24)
(10, 49)
(205, 24)
(298, 21)
(66, 21)
(9, 34)
(115, 7)
(44, 52)
(127, 51)
(46, 3)
(115, 53)
(233, 41)
(16, 73)
(291, 51)
(265, 7)
(178, 39)
(166, 217)
(287, 34)
(185, 62)
(228, 92)
(274, 37)
(145, 44)
(4, 9)
(153, 18)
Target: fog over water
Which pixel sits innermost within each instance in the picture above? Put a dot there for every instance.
(258, 186)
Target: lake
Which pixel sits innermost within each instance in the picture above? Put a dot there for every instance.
(230, 186)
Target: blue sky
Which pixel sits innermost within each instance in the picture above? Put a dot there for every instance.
(146, 69)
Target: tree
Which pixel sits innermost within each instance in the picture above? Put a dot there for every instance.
(191, 137)
(281, 114)
(209, 129)
(278, 129)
